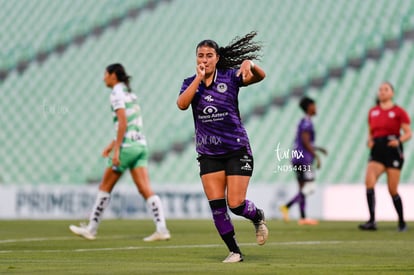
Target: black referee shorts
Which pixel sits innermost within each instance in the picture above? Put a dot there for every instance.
(238, 162)
(390, 157)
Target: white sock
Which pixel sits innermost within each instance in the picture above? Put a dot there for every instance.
(154, 205)
(102, 201)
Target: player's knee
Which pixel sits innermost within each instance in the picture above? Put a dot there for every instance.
(309, 188)
(370, 182)
(393, 188)
(393, 191)
(145, 192)
(238, 210)
(235, 200)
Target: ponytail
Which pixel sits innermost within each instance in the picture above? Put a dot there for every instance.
(236, 52)
(120, 73)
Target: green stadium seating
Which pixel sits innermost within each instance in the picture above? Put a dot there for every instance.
(32, 26)
(341, 124)
(58, 116)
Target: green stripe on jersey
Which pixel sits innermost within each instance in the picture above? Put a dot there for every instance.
(121, 98)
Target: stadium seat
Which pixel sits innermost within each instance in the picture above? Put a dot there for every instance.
(63, 103)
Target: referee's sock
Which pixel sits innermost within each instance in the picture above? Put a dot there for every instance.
(398, 206)
(371, 204)
(223, 224)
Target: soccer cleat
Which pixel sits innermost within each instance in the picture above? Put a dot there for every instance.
(307, 222)
(371, 226)
(158, 236)
(82, 231)
(285, 212)
(402, 227)
(261, 229)
(233, 258)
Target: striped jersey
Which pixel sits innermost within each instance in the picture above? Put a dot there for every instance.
(218, 126)
(122, 99)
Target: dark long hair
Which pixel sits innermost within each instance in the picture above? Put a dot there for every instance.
(120, 73)
(236, 52)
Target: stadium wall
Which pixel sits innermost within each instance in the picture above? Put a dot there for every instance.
(329, 202)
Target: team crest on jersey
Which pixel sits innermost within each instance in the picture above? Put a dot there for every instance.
(375, 113)
(391, 114)
(222, 87)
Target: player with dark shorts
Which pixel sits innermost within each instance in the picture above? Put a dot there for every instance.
(239, 162)
(302, 164)
(225, 157)
(390, 157)
(386, 120)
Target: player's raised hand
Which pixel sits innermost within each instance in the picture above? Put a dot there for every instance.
(245, 69)
(201, 70)
(323, 150)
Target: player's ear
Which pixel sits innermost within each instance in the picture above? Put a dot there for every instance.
(217, 58)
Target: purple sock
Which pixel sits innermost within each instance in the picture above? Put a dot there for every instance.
(248, 210)
(223, 224)
(221, 217)
(295, 199)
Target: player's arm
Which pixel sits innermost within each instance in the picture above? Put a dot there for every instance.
(306, 140)
(185, 98)
(122, 126)
(370, 139)
(406, 129)
(406, 132)
(251, 72)
(321, 149)
(107, 150)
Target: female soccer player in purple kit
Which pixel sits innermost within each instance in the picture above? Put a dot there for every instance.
(225, 157)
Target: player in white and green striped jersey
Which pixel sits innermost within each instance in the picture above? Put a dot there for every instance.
(128, 151)
(122, 98)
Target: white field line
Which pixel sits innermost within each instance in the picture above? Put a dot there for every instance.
(149, 247)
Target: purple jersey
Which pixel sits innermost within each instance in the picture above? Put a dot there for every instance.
(303, 156)
(218, 127)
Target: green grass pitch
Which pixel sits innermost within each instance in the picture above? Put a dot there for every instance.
(48, 247)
